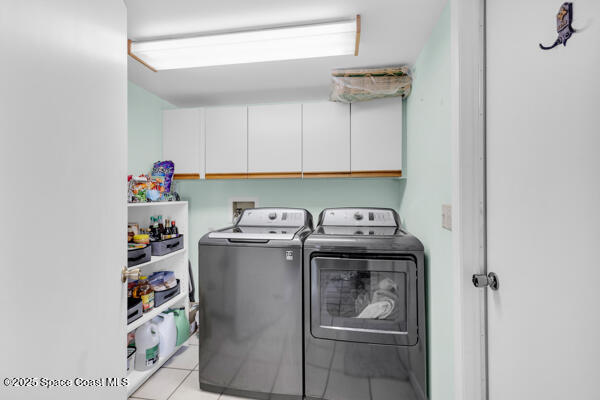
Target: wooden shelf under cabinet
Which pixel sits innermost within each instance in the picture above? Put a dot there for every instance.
(274, 175)
(295, 175)
(376, 174)
(186, 176)
(228, 176)
(354, 174)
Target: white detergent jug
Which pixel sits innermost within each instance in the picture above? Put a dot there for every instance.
(167, 332)
(146, 342)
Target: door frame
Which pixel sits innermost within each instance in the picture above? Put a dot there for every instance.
(468, 197)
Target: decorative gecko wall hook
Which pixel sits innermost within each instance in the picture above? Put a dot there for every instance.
(563, 26)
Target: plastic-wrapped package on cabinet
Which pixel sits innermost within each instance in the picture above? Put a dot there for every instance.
(362, 84)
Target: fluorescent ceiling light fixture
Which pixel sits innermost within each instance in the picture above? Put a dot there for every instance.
(273, 44)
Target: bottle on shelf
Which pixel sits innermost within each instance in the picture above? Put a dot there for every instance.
(174, 230)
(161, 227)
(147, 341)
(157, 227)
(144, 291)
(152, 229)
(167, 230)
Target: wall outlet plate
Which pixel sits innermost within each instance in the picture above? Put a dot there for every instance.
(447, 216)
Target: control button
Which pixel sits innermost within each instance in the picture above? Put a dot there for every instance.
(358, 216)
(284, 216)
(359, 233)
(371, 216)
(272, 216)
(371, 232)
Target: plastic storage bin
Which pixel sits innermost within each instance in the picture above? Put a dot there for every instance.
(162, 296)
(134, 309)
(162, 247)
(138, 256)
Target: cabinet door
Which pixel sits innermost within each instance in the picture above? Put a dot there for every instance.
(226, 140)
(183, 141)
(275, 139)
(325, 137)
(376, 134)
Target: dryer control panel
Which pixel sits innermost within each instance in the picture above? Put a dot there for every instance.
(359, 217)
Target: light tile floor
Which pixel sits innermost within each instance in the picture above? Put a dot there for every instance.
(177, 379)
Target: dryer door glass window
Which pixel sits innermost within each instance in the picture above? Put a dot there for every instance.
(371, 301)
(363, 299)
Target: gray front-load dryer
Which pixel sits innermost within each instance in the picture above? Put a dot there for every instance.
(250, 294)
(364, 301)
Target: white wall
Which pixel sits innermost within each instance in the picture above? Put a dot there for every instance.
(543, 144)
(63, 153)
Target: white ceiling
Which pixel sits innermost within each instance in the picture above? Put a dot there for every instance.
(393, 32)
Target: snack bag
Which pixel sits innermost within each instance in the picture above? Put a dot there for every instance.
(156, 188)
(138, 186)
(164, 169)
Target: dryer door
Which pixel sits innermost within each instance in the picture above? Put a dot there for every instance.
(364, 300)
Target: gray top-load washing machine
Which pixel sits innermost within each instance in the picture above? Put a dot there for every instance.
(250, 294)
(364, 302)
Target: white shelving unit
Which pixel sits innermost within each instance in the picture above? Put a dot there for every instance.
(177, 262)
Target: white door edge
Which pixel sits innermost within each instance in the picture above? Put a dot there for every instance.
(468, 196)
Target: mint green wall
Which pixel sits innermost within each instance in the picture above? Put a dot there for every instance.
(428, 186)
(145, 128)
(209, 200)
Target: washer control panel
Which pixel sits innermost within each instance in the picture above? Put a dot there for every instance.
(359, 217)
(273, 217)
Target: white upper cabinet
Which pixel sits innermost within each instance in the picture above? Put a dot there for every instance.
(376, 135)
(226, 140)
(275, 138)
(326, 137)
(183, 140)
(286, 140)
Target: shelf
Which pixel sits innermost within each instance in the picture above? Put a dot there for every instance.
(176, 261)
(157, 259)
(157, 203)
(157, 310)
(137, 378)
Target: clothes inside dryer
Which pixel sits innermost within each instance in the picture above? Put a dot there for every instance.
(370, 300)
(371, 295)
